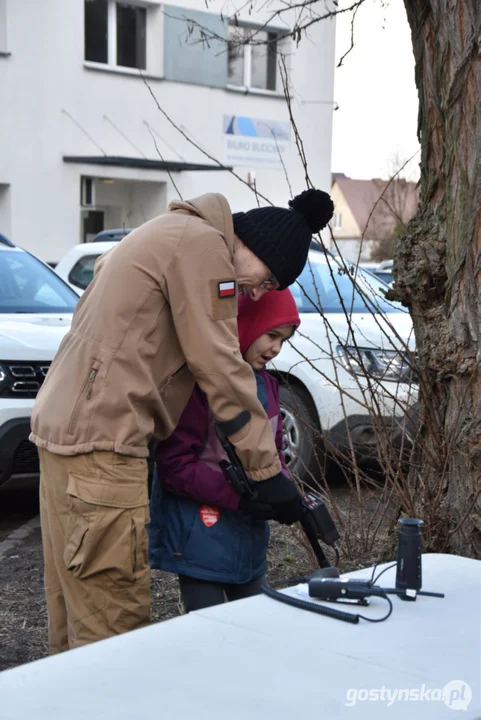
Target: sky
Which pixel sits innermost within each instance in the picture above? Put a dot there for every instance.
(375, 92)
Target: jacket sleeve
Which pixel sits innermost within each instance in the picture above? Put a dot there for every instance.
(179, 468)
(279, 430)
(206, 325)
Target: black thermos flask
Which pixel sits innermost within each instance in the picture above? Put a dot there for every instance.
(408, 572)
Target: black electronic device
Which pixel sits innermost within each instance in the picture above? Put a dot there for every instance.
(340, 589)
(408, 567)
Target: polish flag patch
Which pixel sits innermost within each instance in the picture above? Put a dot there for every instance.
(226, 288)
(209, 515)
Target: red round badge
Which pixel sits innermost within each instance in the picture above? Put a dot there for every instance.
(209, 515)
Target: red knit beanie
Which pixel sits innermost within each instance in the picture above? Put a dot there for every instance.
(272, 310)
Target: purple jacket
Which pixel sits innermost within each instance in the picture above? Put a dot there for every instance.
(188, 461)
(196, 528)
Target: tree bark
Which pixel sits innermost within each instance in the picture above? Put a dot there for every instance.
(437, 273)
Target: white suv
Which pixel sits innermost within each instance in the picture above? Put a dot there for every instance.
(77, 267)
(350, 338)
(346, 375)
(35, 313)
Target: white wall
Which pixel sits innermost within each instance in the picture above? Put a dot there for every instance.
(46, 77)
(128, 203)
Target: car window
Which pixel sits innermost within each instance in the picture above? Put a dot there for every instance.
(82, 272)
(28, 286)
(334, 287)
(385, 275)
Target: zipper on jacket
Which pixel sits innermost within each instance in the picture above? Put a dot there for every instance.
(178, 371)
(171, 377)
(91, 381)
(88, 385)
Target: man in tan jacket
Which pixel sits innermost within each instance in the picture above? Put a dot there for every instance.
(159, 315)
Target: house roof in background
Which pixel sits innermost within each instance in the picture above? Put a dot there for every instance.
(400, 200)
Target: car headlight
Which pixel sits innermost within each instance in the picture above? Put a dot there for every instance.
(376, 362)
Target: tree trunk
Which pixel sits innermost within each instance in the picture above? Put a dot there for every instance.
(437, 273)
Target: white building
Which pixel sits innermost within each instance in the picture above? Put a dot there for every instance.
(83, 145)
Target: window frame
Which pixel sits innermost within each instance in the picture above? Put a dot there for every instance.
(246, 49)
(112, 46)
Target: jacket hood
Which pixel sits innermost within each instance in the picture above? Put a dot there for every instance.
(212, 207)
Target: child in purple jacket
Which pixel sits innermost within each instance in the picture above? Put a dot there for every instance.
(197, 529)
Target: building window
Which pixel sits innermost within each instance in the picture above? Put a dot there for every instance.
(115, 33)
(96, 34)
(337, 221)
(252, 65)
(131, 22)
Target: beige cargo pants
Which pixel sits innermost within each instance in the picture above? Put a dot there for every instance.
(94, 511)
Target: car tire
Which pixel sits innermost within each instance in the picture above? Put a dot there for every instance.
(302, 444)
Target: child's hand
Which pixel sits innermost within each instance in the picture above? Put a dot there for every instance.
(258, 510)
(281, 493)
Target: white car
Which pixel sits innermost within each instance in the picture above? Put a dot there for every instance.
(323, 357)
(346, 371)
(35, 313)
(77, 267)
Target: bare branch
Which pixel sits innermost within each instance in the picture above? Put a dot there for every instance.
(298, 139)
(343, 57)
(162, 158)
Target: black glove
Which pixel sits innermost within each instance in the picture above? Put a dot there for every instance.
(258, 510)
(282, 495)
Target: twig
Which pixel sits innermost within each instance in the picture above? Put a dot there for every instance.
(162, 158)
(343, 57)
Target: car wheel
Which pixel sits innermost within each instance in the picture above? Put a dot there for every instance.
(301, 437)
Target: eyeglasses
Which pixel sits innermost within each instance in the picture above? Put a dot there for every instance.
(270, 284)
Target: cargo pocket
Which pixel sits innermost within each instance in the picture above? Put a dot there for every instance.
(107, 531)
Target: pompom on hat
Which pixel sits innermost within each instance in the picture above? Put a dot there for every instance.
(281, 237)
(272, 310)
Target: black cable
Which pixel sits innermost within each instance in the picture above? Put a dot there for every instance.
(303, 605)
(287, 582)
(382, 571)
(364, 617)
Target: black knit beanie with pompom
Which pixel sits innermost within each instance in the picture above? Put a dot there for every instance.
(280, 237)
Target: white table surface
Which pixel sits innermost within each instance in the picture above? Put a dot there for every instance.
(258, 658)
